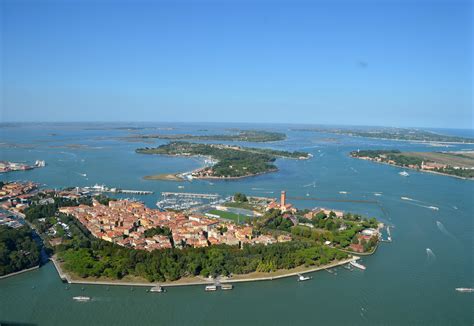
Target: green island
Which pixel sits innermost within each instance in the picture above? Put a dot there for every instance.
(231, 161)
(257, 136)
(310, 238)
(404, 134)
(458, 164)
(18, 249)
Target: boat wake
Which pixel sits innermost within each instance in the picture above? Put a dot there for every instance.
(430, 256)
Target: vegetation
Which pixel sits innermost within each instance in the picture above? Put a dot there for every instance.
(395, 134)
(464, 162)
(232, 162)
(240, 198)
(242, 135)
(18, 249)
(158, 231)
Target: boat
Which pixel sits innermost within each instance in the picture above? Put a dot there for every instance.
(343, 192)
(406, 198)
(468, 290)
(302, 278)
(227, 286)
(404, 174)
(157, 289)
(81, 299)
(210, 288)
(356, 264)
(433, 208)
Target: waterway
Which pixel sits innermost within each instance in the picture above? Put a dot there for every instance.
(408, 281)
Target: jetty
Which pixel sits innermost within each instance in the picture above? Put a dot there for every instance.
(190, 195)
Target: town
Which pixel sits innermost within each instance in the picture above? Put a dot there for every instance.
(6, 166)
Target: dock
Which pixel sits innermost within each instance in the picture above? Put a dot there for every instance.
(190, 195)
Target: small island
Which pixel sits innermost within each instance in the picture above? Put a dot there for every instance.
(459, 164)
(256, 136)
(226, 161)
(401, 134)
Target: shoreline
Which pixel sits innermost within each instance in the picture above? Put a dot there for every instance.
(413, 169)
(196, 280)
(19, 272)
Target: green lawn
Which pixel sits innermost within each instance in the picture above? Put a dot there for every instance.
(228, 215)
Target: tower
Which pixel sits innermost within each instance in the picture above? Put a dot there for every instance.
(283, 198)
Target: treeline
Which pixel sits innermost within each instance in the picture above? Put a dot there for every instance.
(18, 249)
(242, 135)
(390, 155)
(105, 259)
(231, 162)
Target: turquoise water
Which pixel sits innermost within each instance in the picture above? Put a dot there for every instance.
(404, 282)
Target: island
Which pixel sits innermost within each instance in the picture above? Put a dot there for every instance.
(401, 134)
(225, 161)
(256, 136)
(119, 241)
(458, 164)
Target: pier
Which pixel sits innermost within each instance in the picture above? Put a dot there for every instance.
(135, 192)
(190, 195)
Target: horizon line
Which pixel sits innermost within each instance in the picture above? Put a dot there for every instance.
(229, 122)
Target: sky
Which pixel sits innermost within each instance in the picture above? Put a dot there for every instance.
(387, 63)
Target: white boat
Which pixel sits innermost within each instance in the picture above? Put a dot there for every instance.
(356, 264)
(227, 286)
(465, 290)
(81, 299)
(157, 289)
(433, 208)
(406, 198)
(404, 174)
(210, 288)
(343, 192)
(302, 278)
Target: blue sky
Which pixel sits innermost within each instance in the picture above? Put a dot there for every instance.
(394, 63)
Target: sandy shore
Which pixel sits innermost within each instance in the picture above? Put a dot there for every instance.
(251, 277)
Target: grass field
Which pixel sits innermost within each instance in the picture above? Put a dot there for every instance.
(229, 215)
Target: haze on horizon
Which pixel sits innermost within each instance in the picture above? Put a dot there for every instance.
(386, 63)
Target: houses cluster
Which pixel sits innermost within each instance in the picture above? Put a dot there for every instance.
(124, 222)
(363, 236)
(6, 219)
(16, 192)
(328, 212)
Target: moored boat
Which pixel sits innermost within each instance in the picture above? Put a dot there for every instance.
(302, 278)
(356, 264)
(157, 289)
(210, 288)
(227, 286)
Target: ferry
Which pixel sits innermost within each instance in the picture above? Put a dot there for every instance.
(81, 299)
(356, 264)
(157, 289)
(302, 278)
(404, 174)
(210, 288)
(468, 290)
(227, 286)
